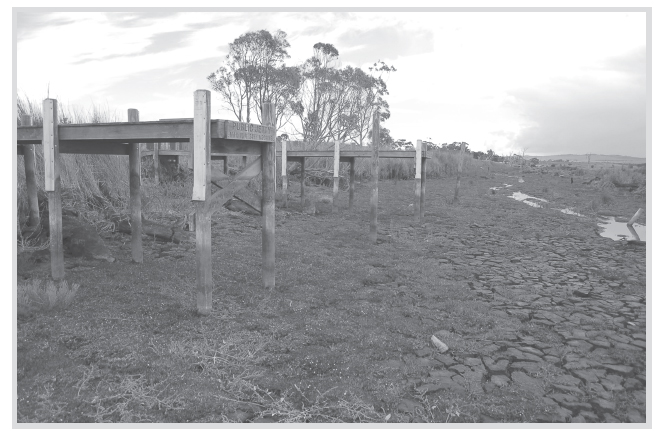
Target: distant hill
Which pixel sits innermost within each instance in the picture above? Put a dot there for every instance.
(594, 158)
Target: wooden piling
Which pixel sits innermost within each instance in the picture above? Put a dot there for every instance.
(268, 199)
(156, 162)
(303, 163)
(335, 175)
(284, 173)
(135, 173)
(418, 181)
(423, 183)
(31, 176)
(374, 201)
(52, 185)
(457, 183)
(190, 155)
(225, 165)
(201, 193)
(351, 182)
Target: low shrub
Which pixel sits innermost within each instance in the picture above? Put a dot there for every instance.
(45, 295)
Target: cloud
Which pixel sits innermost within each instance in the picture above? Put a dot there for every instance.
(138, 19)
(179, 79)
(162, 42)
(384, 43)
(602, 111)
(28, 23)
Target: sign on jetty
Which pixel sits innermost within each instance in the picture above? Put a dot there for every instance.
(249, 131)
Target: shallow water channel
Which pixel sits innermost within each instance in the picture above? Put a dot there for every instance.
(518, 196)
(620, 231)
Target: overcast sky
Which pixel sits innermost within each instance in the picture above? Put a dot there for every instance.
(543, 82)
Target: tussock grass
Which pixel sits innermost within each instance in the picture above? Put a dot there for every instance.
(45, 295)
(90, 183)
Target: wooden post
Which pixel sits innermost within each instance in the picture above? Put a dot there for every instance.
(52, 185)
(351, 182)
(284, 173)
(374, 201)
(135, 171)
(156, 162)
(635, 217)
(417, 190)
(335, 174)
(457, 183)
(190, 156)
(190, 221)
(268, 197)
(201, 193)
(243, 161)
(303, 162)
(225, 165)
(31, 176)
(423, 181)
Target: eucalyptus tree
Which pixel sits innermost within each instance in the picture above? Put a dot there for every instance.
(366, 98)
(315, 106)
(339, 103)
(254, 72)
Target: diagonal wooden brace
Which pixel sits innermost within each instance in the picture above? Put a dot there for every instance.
(237, 183)
(249, 198)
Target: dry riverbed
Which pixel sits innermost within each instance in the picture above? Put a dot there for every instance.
(544, 319)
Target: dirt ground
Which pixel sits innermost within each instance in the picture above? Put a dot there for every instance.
(544, 319)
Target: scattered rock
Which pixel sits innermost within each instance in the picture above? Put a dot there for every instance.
(603, 405)
(634, 416)
(439, 345)
(500, 380)
(622, 369)
(530, 383)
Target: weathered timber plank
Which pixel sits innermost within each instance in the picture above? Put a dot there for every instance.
(52, 186)
(205, 281)
(93, 148)
(135, 175)
(343, 155)
(351, 183)
(202, 194)
(284, 174)
(419, 161)
(238, 182)
(423, 184)
(460, 160)
(249, 131)
(335, 173)
(303, 164)
(374, 201)
(250, 198)
(156, 162)
(141, 132)
(31, 176)
(168, 153)
(236, 147)
(268, 199)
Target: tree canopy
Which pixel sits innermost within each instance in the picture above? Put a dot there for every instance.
(319, 100)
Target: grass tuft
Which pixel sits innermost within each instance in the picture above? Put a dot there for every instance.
(45, 295)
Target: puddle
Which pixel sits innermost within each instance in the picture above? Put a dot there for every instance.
(568, 211)
(506, 186)
(620, 231)
(518, 196)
